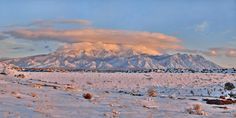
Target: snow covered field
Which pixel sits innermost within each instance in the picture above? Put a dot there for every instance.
(125, 95)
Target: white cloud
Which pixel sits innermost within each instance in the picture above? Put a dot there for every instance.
(202, 26)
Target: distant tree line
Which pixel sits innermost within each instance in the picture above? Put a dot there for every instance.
(169, 70)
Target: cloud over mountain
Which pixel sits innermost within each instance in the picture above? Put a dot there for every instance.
(117, 48)
(154, 42)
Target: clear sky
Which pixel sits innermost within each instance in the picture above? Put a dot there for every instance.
(207, 27)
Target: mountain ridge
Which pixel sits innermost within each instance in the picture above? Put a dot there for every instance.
(110, 60)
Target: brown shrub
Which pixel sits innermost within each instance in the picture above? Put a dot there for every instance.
(87, 96)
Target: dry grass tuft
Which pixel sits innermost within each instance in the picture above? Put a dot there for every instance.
(33, 94)
(16, 94)
(37, 86)
(152, 92)
(196, 109)
(89, 83)
(70, 87)
(22, 76)
(112, 114)
(115, 114)
(234, 115)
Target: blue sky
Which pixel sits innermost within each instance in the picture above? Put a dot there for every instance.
(201, 25)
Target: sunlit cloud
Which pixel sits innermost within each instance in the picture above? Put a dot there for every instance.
(64, 21)
(155, 42)
(231, 53)
(50, 23)
(214, 52)
(87, 47)
(228, 52)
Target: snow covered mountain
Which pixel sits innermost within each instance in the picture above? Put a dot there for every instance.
(110, 60)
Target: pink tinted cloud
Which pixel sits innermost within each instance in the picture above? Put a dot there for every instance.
(156, 42)
(61, 21)
(214, 52)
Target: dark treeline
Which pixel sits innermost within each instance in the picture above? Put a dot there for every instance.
(169, 70)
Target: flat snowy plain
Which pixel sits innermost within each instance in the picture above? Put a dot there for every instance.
(60, 95)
